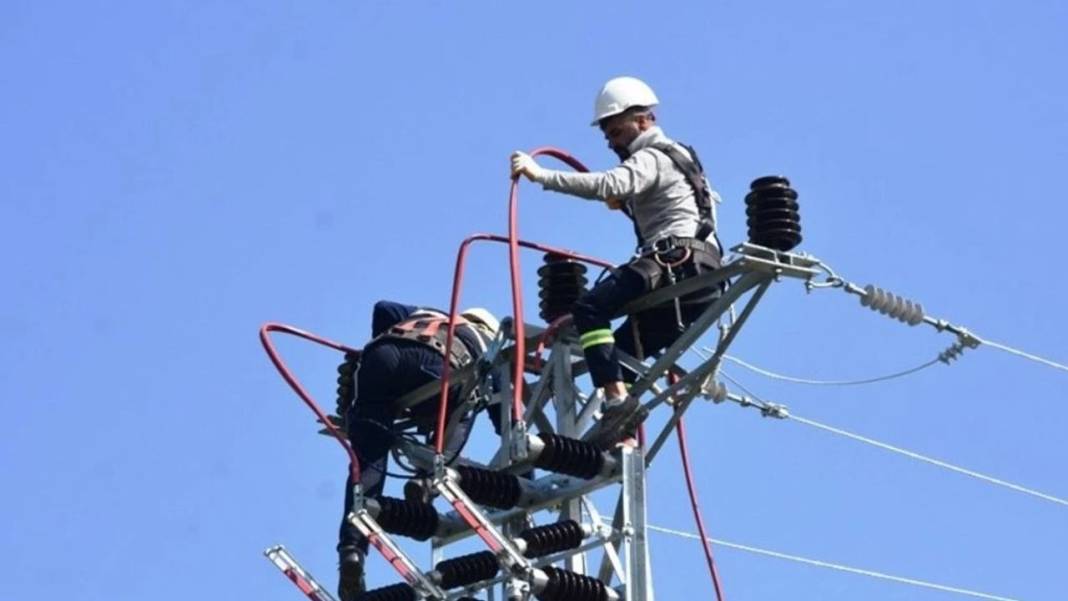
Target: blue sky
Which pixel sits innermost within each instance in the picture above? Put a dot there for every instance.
(177, 173)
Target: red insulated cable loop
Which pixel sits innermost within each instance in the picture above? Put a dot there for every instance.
(265, 330)
(454, 304)
(685, 454)
(547, 335)
(517, 287)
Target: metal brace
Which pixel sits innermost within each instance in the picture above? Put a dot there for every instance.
(445, 482)
(378, 538)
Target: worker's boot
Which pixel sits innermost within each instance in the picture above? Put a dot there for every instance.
(350, 584)
(620, 418)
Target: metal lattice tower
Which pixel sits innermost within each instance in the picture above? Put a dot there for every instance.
(532, 506)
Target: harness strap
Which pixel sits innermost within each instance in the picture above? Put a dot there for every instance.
(673, 242)
(695, 175)
(428, 331)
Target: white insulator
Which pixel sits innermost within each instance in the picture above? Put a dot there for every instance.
(890, 304)
(712, 389)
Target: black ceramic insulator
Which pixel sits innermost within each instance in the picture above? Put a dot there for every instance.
(487, 487)
(467, 569)
(552, 538)
(773, 214)
(395, 592)
(564, 585)
(407, 518)
(346, 383)
(569, 456)
(561, 281)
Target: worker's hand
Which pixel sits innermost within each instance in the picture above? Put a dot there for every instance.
(524, 164)
(614, 204)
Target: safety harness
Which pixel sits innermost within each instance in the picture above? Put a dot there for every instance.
(694, 173)
(431, 330)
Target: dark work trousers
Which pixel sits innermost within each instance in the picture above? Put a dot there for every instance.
(388, 370)
(657, 327)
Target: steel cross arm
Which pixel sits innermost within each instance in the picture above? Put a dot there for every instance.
(706, 368)
(705, 280)
(696, 329)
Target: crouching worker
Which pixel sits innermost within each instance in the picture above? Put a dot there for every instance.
(660, 185)
(406, 352)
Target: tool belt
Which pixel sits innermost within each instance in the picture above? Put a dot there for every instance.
(673, 259)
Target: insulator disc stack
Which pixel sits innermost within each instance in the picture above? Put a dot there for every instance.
(561, 281)
(487, 487)
(407, 518)
(346, 383)
(551, 538)
(888, 303)
(467, 569)
(569, 456)
(401, 591)
(565, 585)
(772, 211)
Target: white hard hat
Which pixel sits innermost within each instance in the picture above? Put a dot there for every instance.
(483, 317)
(620, 94)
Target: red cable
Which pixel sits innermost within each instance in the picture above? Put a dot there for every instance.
(684, 452)
(265, 330)
(547, 335)
(517, 286)
(454, 303)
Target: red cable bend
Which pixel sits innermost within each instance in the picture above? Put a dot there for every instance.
(517, 287)
(454, 304)
(265, 330)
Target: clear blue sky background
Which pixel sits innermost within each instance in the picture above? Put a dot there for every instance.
(177, 173)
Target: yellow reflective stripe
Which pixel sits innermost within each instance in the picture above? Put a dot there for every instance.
(595, 337)
(595, 334)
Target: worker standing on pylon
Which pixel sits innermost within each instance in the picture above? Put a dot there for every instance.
(661, 187)
(407, 351)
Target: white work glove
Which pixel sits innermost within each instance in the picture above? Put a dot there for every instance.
(524, 164)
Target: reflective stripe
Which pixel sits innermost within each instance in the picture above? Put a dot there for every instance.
(595, 337)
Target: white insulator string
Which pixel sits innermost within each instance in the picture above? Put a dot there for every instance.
(1023, 354)
(907, 453)
(796, 380)
(835, 566)
(912, 313)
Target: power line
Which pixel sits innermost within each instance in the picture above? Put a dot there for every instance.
(835, 566)
(905, 452)
(1019, 353)
(777, 376)
(932, 461)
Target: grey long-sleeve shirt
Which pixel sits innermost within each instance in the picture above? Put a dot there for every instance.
(654, 190)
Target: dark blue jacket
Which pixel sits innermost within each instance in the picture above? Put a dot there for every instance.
(387, 314)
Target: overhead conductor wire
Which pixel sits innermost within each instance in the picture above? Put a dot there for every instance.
(835, 566)
(1025, 355)
(904, 452)
(778, 376)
